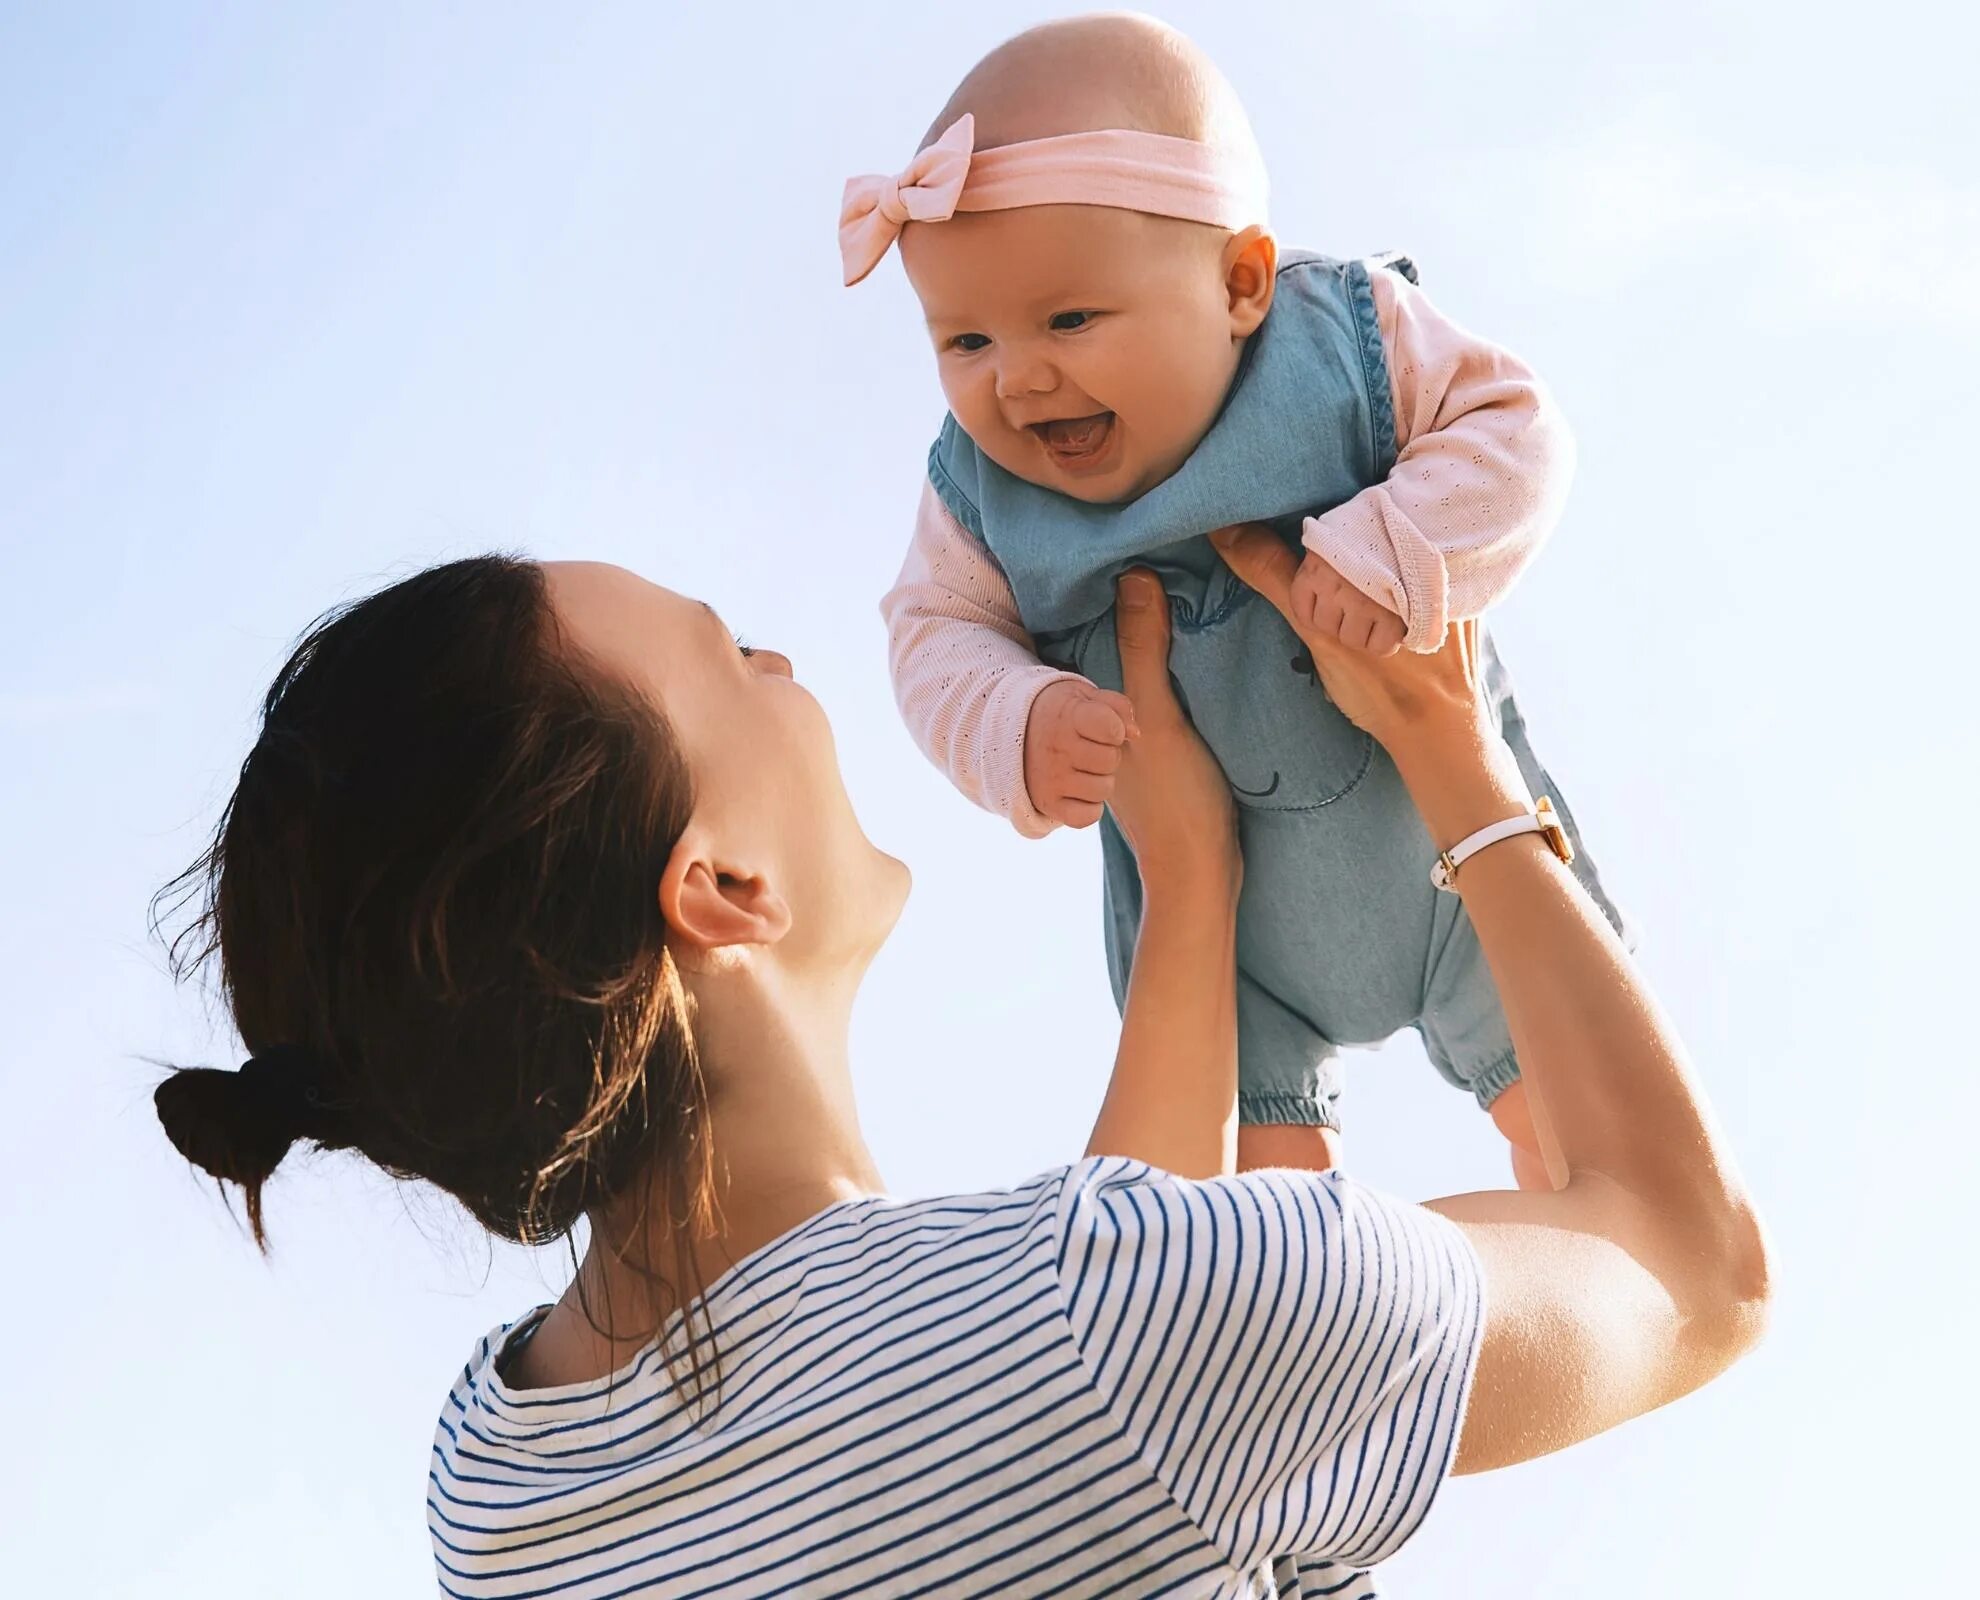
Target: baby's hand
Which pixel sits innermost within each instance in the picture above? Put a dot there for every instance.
(1072, 749)
(1327, 603)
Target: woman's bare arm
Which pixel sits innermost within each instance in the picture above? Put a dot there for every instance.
(1172, 1099)
(1645, 1274)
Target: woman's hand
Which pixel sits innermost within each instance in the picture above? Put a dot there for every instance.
(1396, 697)
(1428, 711)
(1170, 797)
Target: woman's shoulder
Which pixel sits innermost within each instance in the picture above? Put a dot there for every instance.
(825, 1261)
(1129, 1231)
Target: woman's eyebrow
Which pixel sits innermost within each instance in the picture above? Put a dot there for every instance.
(728, 634)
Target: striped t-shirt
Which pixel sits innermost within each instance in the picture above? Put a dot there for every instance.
(1108, 1381)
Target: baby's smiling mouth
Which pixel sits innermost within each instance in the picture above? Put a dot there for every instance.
(1075, 441)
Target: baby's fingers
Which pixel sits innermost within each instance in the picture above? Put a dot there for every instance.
(1322, 613)
(1087, 788)
(1090, 755)
(1103, 718)
(1387, 636)
(1075, 813)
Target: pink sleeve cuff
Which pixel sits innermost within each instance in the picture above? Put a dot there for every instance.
(1369, 543)
(964, 668)
(1483, 462)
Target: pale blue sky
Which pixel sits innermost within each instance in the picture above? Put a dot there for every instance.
(297, 297)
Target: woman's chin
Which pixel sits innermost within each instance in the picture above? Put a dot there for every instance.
(895, 883)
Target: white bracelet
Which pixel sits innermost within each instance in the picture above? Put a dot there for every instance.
(1541, 820)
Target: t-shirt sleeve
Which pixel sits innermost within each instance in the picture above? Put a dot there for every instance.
(1288, 1352)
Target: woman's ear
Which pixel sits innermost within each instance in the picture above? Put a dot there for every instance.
(1251, 272)
(710, 904)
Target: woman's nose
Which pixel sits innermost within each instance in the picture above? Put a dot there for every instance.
(774, 662)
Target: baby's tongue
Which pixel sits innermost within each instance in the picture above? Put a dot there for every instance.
(1076, 433)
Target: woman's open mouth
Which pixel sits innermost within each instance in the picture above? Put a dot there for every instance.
(1078, 445)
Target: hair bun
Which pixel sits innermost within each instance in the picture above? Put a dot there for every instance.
(237, 1126)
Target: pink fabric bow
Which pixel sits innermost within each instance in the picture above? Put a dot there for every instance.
(876, 208)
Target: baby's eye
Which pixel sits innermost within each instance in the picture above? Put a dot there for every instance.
(969, 342)
(1068, 321)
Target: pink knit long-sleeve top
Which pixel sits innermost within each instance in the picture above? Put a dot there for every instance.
(1483, 462)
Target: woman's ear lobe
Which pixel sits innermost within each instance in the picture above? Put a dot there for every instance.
(1251, 273)
(709, 907)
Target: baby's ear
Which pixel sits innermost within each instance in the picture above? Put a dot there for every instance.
(1251, 272)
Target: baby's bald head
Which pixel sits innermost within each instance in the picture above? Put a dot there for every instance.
(1088, 347)
(1111, 70)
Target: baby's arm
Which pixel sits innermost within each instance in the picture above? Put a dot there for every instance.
(1027, 741)
(1483, 462)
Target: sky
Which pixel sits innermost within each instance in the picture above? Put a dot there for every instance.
(295, 299)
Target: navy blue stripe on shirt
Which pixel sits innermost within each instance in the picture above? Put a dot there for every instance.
(1104, 1382)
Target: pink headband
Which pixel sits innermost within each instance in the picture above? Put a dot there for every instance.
(1118, 167)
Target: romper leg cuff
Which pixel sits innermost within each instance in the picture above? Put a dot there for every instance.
(1493, 1079)
(1264, 1108)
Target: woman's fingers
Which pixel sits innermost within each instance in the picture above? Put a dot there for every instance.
(1141, 625)
(1263, 561)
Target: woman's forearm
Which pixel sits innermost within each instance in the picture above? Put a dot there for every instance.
(1646, 1274)
(1606, 1072)
(1172, 1100)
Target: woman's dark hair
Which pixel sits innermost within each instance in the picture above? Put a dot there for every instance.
(433, 897)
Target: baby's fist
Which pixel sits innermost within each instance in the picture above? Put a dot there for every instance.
(1072, 749)
(1326, 603)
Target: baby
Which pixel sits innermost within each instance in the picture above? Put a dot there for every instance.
(1131, 362)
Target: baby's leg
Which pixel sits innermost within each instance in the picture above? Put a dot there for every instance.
(1287, 1144)
(1515, 1120)
(1289, 1086)
(1464, 1031)
(1289, 1079)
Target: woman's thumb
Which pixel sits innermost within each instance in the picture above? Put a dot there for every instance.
(1141, 627)
(1261, 559)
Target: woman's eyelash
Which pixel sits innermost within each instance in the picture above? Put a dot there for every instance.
(745, 647)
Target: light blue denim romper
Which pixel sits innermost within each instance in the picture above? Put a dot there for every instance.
(1342, 939)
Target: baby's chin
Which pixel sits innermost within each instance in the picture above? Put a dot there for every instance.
(1127, 482)
(1112, 476)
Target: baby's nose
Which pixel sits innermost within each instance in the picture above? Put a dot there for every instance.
(1020, 375)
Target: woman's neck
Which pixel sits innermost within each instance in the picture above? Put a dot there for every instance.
(787, 1144)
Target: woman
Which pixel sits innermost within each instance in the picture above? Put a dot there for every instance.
(537, 886)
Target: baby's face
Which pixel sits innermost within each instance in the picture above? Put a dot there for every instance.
(1084, 349)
